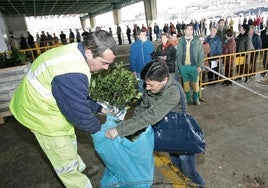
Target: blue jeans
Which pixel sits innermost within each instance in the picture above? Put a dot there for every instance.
(186, 163)
(141, 83)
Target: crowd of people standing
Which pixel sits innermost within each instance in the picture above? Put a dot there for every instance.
(218, 35)
(43, 39)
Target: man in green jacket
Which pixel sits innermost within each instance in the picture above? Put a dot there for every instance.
(190, 58)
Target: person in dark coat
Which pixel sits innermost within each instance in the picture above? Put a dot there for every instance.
(264, 39)
(63, 38)
(254, 44)
(30, 40)
(23, 42)
(71, 36)
(128, 35)
(31, 44)
(229, 47)
(118, 32)
(242, 45)
(156, 31)
(167, 52)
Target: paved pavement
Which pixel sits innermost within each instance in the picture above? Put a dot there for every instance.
(235, 123)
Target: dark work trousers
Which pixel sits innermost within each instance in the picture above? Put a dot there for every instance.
(253, 61)
(119, 39)
(211, 74)
(265, 61)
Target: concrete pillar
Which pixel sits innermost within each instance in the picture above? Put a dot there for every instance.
(117, 15)
(83, 22)
(92, 20)
(150, 11)
(16, 25)
(3, 35)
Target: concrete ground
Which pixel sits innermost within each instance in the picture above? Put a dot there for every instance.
(235, 123)
(234, 120)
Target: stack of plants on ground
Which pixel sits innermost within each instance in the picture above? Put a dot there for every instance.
(12, 59)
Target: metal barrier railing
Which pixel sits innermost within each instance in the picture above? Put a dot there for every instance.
(33, 53)
(235, 66)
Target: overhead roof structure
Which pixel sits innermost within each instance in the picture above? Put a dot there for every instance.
(27, 8)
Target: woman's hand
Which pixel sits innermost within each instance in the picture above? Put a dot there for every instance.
(106, 111)
(111, 133)
(198, 69)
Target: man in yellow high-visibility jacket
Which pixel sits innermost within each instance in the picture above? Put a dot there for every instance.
(53, 98)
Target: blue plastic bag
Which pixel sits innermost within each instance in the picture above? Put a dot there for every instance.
(127, 163)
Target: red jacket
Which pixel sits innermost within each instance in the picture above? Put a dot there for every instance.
(229, 47)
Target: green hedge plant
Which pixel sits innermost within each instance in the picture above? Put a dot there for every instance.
(117, 86)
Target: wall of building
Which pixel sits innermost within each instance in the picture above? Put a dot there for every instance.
(16, 26)
(11, 26)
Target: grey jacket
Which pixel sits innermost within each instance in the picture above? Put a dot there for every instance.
(153, 108)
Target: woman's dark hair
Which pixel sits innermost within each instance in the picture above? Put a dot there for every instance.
(229, 33)
(99, 41)
(246, 28)
(141, 30)
(156, 70)
(189, 25)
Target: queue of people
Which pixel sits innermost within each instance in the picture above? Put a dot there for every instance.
(44, 39)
